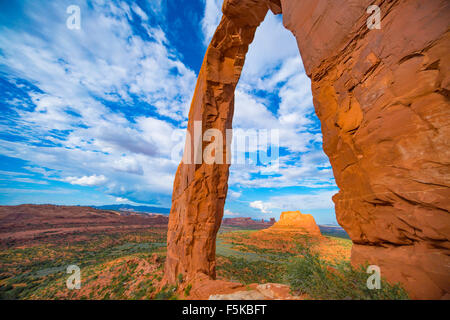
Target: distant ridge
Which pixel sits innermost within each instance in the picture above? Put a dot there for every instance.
(129, 207)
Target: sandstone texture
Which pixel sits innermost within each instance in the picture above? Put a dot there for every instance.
(204, 288)
(382, 97)
(295, 221)
(200, 189)
(266, 291)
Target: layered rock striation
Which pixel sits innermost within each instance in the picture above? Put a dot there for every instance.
(382, 96)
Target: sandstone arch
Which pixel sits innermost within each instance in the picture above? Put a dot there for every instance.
(382, 97)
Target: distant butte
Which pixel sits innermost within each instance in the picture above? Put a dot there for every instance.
(295, 221)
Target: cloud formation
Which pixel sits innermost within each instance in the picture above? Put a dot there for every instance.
(86, 96)
(211, 19)
(105, 107)
(263, 207)
(93, 180)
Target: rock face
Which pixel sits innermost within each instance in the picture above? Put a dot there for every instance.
(382, 96)
(297, 222)
(266, 291)
(205, 288)
(200, 189)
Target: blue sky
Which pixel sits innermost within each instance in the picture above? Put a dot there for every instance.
(93, 116)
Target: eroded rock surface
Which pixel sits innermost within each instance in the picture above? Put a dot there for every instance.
(200, 189)
(382, 97)
(266, 291)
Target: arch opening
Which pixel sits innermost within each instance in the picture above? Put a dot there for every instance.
(393, 203)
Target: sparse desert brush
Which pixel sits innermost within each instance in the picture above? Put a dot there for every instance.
(248, 271)
(42, 267)
(311, 275)
(187, 290)
(167, 293)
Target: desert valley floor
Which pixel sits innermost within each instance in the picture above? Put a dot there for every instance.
(121, 256)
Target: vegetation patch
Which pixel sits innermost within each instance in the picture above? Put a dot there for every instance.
(311, 275)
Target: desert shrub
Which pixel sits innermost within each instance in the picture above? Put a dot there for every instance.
(140, 293)
(6, 292)
(166, 293)
(311, 275)
(246, 271)
(187, 290)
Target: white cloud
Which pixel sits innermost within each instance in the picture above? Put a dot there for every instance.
(28, 180)
(302, 202)
(229, 213)
(13, 173)
(272, 45)
(310, 169)
(104, 59)
(234, 194)
(251, 112)
(211, 18)
(264, 207)
(93, 180)
(79, 76)
(128, 164)
(139, 12)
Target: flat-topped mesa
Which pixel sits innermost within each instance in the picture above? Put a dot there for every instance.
(295, 221)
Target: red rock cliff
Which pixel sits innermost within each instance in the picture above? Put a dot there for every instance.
(382, 97)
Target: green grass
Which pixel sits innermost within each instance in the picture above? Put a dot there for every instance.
(337, 233)
(246, 271)
(309, 275)
(167, 293)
